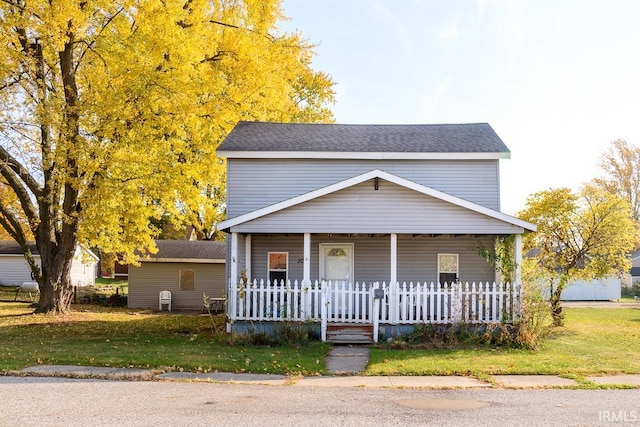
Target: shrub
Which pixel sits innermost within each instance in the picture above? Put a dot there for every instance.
(633, 291)
(115, 300)
(527, 332)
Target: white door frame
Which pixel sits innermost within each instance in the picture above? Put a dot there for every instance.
(324, 246)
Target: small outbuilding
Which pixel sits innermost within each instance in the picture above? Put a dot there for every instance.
(15, 271)
(187, 269)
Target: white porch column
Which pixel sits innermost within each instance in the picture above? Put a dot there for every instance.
(306, 277)
(247, 257)
(233, 270)
(306, 268)
(394, 258)
(232, 290)
(517, 275)
(393, 279)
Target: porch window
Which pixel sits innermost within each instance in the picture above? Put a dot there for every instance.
(278, 266)
(187, 280)
(447, 268)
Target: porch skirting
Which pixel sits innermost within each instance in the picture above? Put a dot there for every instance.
(395, 307)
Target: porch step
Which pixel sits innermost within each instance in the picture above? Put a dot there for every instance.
(349, 333)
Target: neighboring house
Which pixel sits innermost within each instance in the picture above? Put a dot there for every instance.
(185, 268)
(341, 210)
(14, 269)
(120, 271)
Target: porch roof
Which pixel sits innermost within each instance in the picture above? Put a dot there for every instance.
(402, 182)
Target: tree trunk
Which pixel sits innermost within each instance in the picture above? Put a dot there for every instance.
(55, 298)
(56, 289)
(556, 308)
(56, 238)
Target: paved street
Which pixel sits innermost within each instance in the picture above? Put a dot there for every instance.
(35, 401)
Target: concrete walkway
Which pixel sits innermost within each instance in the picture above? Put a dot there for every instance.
(347, 360)
(346, 363)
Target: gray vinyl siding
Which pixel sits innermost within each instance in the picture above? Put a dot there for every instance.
(261, 245)
(417, 256)
(390, 209)
(255, 183)
(146, 282)
(14, 270)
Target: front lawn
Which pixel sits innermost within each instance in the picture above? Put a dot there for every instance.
(93, 335)
(594, 341)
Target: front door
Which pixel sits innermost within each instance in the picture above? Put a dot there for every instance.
(336, 265)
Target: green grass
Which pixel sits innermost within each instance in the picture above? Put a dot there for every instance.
(594, 341)
(97, 336)
(123, 285)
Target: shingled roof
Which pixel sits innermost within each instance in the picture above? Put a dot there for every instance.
(11, 247)
(257, 137)
(189, 249)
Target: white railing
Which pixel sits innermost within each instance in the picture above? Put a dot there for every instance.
(260, 300)
(452, 303)
(356, 303)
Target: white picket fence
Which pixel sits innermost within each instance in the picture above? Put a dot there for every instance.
(375, 303)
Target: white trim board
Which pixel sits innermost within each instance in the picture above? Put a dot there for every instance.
(362, 155)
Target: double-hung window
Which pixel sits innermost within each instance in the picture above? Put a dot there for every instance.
(447, 268)
(278, 266)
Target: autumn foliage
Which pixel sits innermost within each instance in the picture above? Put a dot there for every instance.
(111, 113)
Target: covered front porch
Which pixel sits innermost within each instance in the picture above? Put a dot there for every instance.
(375, 304)
(386, 282)
(375, 249)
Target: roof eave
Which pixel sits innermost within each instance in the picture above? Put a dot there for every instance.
(186, 260)
(233, 154)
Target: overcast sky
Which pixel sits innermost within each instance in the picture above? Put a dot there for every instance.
(558, 80)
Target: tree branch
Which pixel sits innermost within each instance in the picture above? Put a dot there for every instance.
(9, 162)
(224, 24)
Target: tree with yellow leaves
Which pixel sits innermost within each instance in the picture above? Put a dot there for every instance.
(112, 110)
(579, 236)
(621, 166)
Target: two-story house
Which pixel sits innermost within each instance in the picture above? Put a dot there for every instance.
(319, 216)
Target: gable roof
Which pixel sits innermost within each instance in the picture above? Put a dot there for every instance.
(376, 173)
(11, 247)
(188, 251)
(304, 140)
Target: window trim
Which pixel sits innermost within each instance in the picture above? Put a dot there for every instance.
(457, 272)
(269, 269)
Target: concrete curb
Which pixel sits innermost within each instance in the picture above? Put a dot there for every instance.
(89, 372)
(426, 382)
